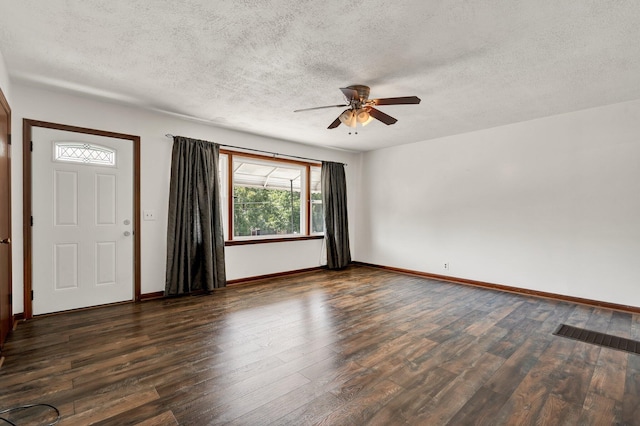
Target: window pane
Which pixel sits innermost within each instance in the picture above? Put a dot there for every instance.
(266, 198)
(223, 163)
(317, 212)
(78, 152)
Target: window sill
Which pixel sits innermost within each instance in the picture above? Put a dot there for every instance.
(272, 240)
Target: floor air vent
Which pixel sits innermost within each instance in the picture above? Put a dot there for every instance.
(596, 338)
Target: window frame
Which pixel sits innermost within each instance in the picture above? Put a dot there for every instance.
(230, 239)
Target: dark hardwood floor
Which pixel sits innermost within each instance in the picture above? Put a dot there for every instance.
(361, 346)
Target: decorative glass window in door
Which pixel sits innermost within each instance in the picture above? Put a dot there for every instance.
(80, 152)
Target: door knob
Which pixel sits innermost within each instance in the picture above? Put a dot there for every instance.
(127, 233)
(5, 241)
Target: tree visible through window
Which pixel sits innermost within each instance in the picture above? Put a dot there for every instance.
(317, 212)
(261, 211)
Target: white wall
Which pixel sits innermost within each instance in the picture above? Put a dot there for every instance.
(4, 80)
(242, 261)
(551, 205)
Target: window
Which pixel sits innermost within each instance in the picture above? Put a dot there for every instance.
(79, 152)
(317, 212)
(268, 198)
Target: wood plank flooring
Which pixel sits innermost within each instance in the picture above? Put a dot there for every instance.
(355, 347)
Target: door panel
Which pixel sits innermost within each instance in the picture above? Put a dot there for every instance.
(65, 200)
(106, 263)
(65, 266)
(82, 234)
(105, 199)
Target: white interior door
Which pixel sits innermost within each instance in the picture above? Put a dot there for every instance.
(82, 234)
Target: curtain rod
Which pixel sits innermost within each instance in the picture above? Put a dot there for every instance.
(169, 135)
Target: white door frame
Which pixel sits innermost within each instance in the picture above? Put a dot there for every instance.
(27, 204)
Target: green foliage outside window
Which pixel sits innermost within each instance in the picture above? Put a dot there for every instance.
(259, 211)
(317, 213)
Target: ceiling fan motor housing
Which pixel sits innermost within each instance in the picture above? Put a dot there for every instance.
(363, 93)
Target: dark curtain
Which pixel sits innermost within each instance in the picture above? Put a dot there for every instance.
(195, 240)
(334, 201)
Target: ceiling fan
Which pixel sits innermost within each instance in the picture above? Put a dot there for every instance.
(361, 109)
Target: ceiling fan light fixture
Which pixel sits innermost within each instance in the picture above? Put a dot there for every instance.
(348, 118)
(363, 117)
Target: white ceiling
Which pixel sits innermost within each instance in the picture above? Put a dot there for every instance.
(248, 64)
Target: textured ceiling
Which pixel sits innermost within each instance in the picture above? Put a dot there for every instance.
(247, 65)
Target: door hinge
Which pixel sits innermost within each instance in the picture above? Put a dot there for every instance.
(31, 294)
(9, 138)
(31, 146)
(31, 220)
(10, 299)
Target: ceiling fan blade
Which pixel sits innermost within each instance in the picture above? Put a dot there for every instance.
(321, 107)
(335, 123)
(350, 93)
(403, 100)
(379, 115)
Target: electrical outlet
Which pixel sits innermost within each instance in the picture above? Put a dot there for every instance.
(149, 215)
(446, 266)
